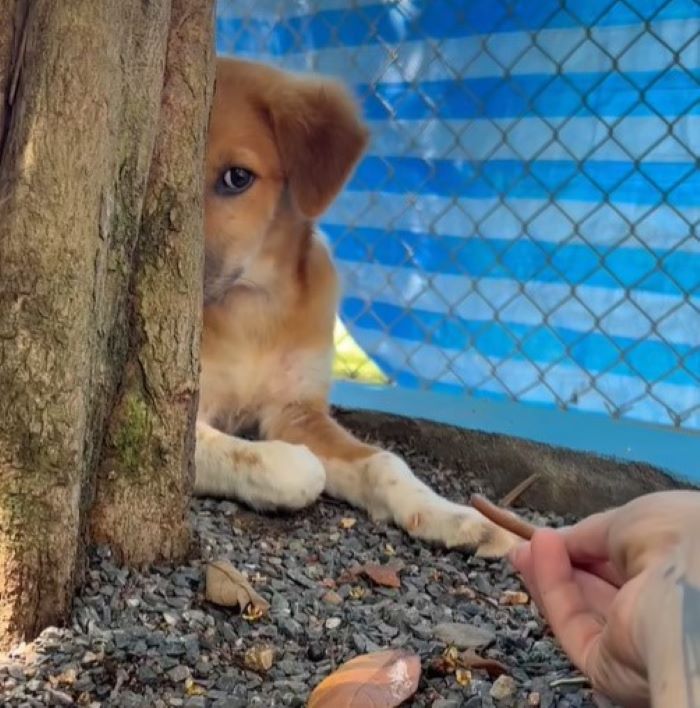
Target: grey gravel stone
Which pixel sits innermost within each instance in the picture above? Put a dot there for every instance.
(462, 635)
(140, 638)
(503, 687)
(179, 673)
(60, 698)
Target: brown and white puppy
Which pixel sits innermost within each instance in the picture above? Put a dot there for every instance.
(280, 148)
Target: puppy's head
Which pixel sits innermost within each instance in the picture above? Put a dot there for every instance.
(280, 148)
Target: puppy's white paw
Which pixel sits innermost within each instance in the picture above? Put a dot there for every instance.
(264, 475)
(416, 508)
(467, 528)
(293, 475)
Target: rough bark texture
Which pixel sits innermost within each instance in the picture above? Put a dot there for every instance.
(100, 278)
(147, 474)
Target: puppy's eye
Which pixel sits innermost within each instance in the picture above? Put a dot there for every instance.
(235, 180)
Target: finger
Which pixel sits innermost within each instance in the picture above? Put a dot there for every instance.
(604, 570)
(597, 592)
(580, 541)
(521, 558)
(573, 622)
(587, 541)
(588, 544)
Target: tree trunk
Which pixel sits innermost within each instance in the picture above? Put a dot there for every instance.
(102, 130)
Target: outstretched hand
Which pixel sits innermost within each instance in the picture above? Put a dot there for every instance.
(602, 584)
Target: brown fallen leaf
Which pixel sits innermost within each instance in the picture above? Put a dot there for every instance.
(452, 660)
(193, 689)
(383, 575)
(514, 597)
(227, 586)
(471, 660)
(253, 613)
(464, 591)
(383, 679)
(357, 592)
(65, 678)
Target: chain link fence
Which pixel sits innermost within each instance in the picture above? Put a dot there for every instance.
(525, 223)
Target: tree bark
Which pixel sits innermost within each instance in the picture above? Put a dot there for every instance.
(102, 130)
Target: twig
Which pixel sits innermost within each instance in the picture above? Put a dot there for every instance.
(503, 518)
(519, 489)
(570, 681)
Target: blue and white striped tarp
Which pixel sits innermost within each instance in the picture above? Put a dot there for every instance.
(525, 224)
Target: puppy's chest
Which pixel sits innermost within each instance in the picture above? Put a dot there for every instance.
(241, 383)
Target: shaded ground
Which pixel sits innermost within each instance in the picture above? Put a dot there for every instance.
(150, 639)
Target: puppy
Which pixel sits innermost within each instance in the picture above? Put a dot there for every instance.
(280, 148)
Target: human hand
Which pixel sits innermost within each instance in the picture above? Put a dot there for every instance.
(604, 584)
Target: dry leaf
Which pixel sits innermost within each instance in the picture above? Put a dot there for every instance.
(347, 522)
(463, 677)
(452, 661)
(464, 591)
(259, 658)
(440, 666)
(226, 586)
(65, 678)
(471, 660)
(192, 689)
(383, 679)
(358, 592)
(382, 575)
(514, 597)
(252, 613)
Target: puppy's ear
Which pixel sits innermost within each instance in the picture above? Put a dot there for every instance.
(320, 138)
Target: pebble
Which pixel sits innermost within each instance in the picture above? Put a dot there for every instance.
(60, 698)
(179, 673)
(137, 639)
(503, 687)
(462, 635)
(332, 598)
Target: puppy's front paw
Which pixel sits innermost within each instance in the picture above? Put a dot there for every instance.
(467, 528)
(456, 526)
(428, 516)
(293, 476)
(264, 475)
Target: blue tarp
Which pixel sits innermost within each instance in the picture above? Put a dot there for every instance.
(525, 224)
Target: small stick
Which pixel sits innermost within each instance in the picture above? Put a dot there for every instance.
(501, 517)
(519, 489)
(570, 681)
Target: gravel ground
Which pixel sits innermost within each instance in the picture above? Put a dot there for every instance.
(150, 639)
